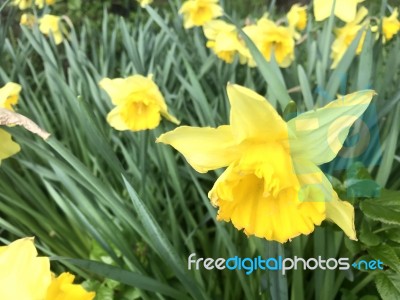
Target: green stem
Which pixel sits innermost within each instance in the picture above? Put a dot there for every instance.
(363, 283)
(277, 283)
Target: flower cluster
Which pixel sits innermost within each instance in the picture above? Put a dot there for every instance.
(357, 20)
(48, 24)
(224, 40)
(24, 275)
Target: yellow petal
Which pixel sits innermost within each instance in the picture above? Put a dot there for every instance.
(7, 146)
(118, 89)
(253, 117)
(23, 275)
(277, 218)
(9, 95)
(204, 148)
(62, 288)
(319, 135)
(342, 213)
(322, 9)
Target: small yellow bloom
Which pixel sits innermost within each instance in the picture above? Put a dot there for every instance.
(139, 103)
(62, 288)
(390, 25)
(223, 39)
(22, 4)
(199, 12)
(50, 25)
(346, 34)
(28, 20)
(7, 147)
(272, 187)
(143, 3)
(271, 39)
(297, 17)
(9, 95)
(23, 275)
(344, 9)
(41, 3)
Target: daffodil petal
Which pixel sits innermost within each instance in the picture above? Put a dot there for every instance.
(204, 148)
(319, 135)
(342, 213)
(117, 89)
(253, 117)
(7, 146)
(315, 187)
(322, 9)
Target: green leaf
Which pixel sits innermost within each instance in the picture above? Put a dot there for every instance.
(386, 209)
(387, 255)
(290, 111)
(161, 243)
(367, 236)
(388, 285)
(269, 70)
(127, 277)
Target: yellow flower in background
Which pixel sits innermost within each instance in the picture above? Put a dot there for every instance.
(199, 12)
(297, 17)
(62, 288)
(22, 4)
(50, 25)
(139, 103)
(23, 275)
(271, 39)
(272, 187)
(346, 34)
(223, 40)
(143, 3)
(28, 20)
(9, 95)
(7, 148)
(390, 25)
(345, 10)
(41, 3)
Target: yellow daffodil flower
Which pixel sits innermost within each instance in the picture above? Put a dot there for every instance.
(22, 4)
(50, 25)
(23, 275)
(346, 34)
(390, 25)
(297, 17)
(271, 39)
(223, 40)
(199, 12)
(62, 288)
(9, 95)
(272, 187)
(143, 3)
(41, 3)
(28, 20)
(345, 10)
(139, 103)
